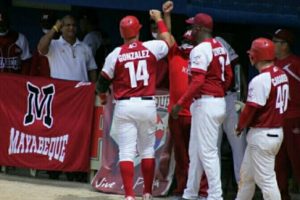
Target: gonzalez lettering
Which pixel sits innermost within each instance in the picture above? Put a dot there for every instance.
(134, 55)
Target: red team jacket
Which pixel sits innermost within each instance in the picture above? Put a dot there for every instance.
(178, 76)
(291, 66)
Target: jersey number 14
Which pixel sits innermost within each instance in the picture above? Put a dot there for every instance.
(141, 73)
(282, 98)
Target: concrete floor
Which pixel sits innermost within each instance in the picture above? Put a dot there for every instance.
(19, 184)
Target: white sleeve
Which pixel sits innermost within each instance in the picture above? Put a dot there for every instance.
(232, 54)
(159, 48)
(259, 89)
(201, 56)
(110, 63)
(22, 42)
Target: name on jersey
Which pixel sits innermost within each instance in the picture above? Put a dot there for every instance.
(219, 51)
(279, 79)
(10, 63)
(134, 55)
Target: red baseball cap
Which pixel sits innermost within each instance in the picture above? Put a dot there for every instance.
(285, 35)
(202, 19)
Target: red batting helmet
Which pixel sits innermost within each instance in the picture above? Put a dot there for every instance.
(129, 27)
(262, 49)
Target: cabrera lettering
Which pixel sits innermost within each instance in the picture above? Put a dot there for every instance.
(279, 79)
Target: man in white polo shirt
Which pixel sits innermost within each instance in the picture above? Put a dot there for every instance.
(69, 59)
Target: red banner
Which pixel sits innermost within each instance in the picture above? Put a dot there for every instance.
(108, 178)
(45, 123)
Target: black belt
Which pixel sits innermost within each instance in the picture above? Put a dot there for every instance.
(204, 96)
(142, 98)
(233, 90)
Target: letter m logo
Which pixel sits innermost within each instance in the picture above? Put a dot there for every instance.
(39, 104)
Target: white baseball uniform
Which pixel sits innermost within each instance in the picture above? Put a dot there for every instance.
(208, 112)
(268, 93)
(132, 69)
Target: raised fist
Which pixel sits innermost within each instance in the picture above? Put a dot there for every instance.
(167, 6)
(155, 15)
(59, 25)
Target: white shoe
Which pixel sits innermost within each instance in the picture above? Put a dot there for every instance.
(129, 198)
(147, 196)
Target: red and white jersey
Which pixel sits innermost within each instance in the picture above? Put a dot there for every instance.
(269, 93)
(178, 76)
(291, 66)
(211, 58)
(132, 68)
(14, 49)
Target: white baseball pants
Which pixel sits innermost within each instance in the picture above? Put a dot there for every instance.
(258, 164)
(208, 114)
(135, 121)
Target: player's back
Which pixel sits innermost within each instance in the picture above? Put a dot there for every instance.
(214, 61)
(133, 70)
(272, 98)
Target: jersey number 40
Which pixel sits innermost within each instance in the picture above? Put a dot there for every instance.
(141, 73)
(282, 98)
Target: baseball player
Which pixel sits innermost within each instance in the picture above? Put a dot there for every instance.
(131, 68)
(263, 113)
(211, 77)
(178, 58)
(15, 55)
(238, 144)
(288, 155)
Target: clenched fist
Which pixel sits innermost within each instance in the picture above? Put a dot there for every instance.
(167, 6)
(155, 15)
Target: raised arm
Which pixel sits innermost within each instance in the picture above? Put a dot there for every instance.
(43, 46)
(167, 9)
(163, 30)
